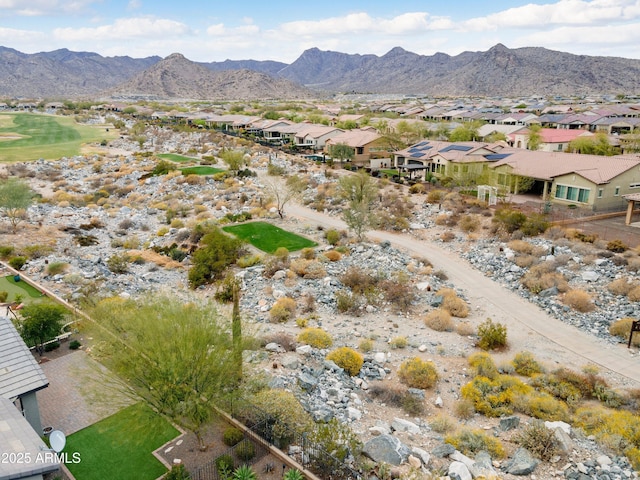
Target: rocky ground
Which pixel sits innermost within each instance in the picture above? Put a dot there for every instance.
(82, 228)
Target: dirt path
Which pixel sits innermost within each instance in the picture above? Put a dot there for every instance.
(529, 328)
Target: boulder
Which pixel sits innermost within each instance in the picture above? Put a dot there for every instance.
(423, 455)
(459, 471)
(307, 382)
(386, 448)
(402, 425)
(443, 450)
(522, 463)
(482, 466)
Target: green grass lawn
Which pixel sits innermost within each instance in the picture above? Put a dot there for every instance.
(174, 157)
(269, 238)
(201, 170)
(28, 136)
(13, 288)
(120, 446)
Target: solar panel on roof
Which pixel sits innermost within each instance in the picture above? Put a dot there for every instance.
(421, 144)
(497, 156)
(461, 148)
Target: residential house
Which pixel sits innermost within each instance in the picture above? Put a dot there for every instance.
(313, 137)
(20, 375)
(24, 454)
(551, 139)
(365, 144)
(591, 181)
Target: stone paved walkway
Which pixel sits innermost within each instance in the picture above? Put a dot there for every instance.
(76, 396)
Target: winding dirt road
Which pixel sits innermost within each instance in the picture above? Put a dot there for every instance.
(528, 326)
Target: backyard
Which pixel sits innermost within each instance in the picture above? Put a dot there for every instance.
(19, 291)
(269, 238)
(175, 157)
(120, 446)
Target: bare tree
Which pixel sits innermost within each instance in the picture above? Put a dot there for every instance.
(284, 192)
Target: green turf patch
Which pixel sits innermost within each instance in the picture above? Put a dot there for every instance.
(28, 136)
(269, 238)
(120, 446)
(29, 294)
(174, 157)
(201, 170)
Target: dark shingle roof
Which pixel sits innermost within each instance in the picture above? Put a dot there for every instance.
(19, 371)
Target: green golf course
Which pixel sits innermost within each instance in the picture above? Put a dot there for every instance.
(28, 136)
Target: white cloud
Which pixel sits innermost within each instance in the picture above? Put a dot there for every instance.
(8, 35)
(44, 7)
(125, 28)
(220, 30)
(563, 12)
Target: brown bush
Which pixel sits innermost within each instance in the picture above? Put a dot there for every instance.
(439, 320)
(634, 294)
(520, 246)
(578, 300)
(465, 329)
(333, 255)
(358, 280)
(525, 261)
(469, 223)
(282, 310)
(620, 286)
(543, 276)
(447, 236)
(622, 329)
(455, 305)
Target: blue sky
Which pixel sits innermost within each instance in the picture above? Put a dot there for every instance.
(212, 30)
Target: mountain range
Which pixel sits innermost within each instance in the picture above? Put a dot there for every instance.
(499, 71)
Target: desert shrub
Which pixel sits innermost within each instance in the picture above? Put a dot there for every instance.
(417, 373)
(453, 304)
(525, 261)
(232, 436)
(634, 294)
(483, 365)
(3, 296)
(247, 261)
(417, 188)
(471, 442)
(210, 261)
(6, 251)
(491, 335)
(74, 345)
(555, 386)
(509, 220)
(447, 236)
(308, 253)
(539, 440)
(224, 464)
(439, 320)
(469, 223)
(442, 423)
(587, 382)
(177, 472)
(398, 342)
(285, 340)
(617, 246)
(398, 291)
(359, 280)
(535, 224)
(633, 264)
(525, 364)
(348, 359)
(465, 329)
(119, 263)
(542, 406)
(245, 450)
(435, 196)
(622, 329)
(37, 251)
(366, 345)
(316, 337)
(620, 286)
(464, 409)
(397, 397)
(521, 246)
(17, 262)
(494, 397)
(578, 300)
(55, 268)
(332, 237)
(347, 302)
(333, 255)
(282, 409)
(282, 310)
(543, 276)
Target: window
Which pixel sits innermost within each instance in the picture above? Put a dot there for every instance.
(600, 192)
(455, 169)
(617, 192)
(465, 168)
(634, 185)
(574, 194)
